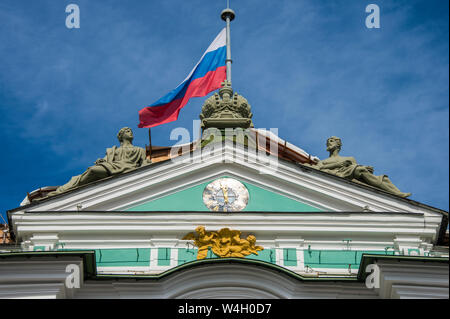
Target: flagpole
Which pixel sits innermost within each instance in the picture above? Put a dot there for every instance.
(150, 141)
(228, 15)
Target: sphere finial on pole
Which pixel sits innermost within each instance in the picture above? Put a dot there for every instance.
(227, 13)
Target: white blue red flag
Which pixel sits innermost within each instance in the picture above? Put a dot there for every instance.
(206, 76)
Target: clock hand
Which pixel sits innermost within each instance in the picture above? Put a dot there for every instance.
(225, 194)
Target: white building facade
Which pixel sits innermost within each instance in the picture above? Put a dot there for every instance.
(322, 236)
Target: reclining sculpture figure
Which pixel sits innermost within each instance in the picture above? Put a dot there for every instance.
(348, 168)
(118, 160)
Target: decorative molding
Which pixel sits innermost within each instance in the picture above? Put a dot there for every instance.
(309, 186)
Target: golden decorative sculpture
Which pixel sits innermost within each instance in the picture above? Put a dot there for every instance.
(223, 243)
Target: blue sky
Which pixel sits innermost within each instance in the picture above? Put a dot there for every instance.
(308, 67)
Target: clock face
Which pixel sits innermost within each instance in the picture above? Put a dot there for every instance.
(225, 195)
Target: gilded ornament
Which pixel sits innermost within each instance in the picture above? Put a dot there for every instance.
(225, 195)
(223, 243)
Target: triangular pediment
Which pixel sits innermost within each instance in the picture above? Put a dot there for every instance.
(273, 184)
(191, 199)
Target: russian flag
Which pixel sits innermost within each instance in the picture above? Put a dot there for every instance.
(206, 76)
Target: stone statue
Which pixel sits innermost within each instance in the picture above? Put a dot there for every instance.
(347, 167)
(117, 160)
(225, 109)
(223, 243)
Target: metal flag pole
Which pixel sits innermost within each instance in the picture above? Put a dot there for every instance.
(228, 15)
(150, 141)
